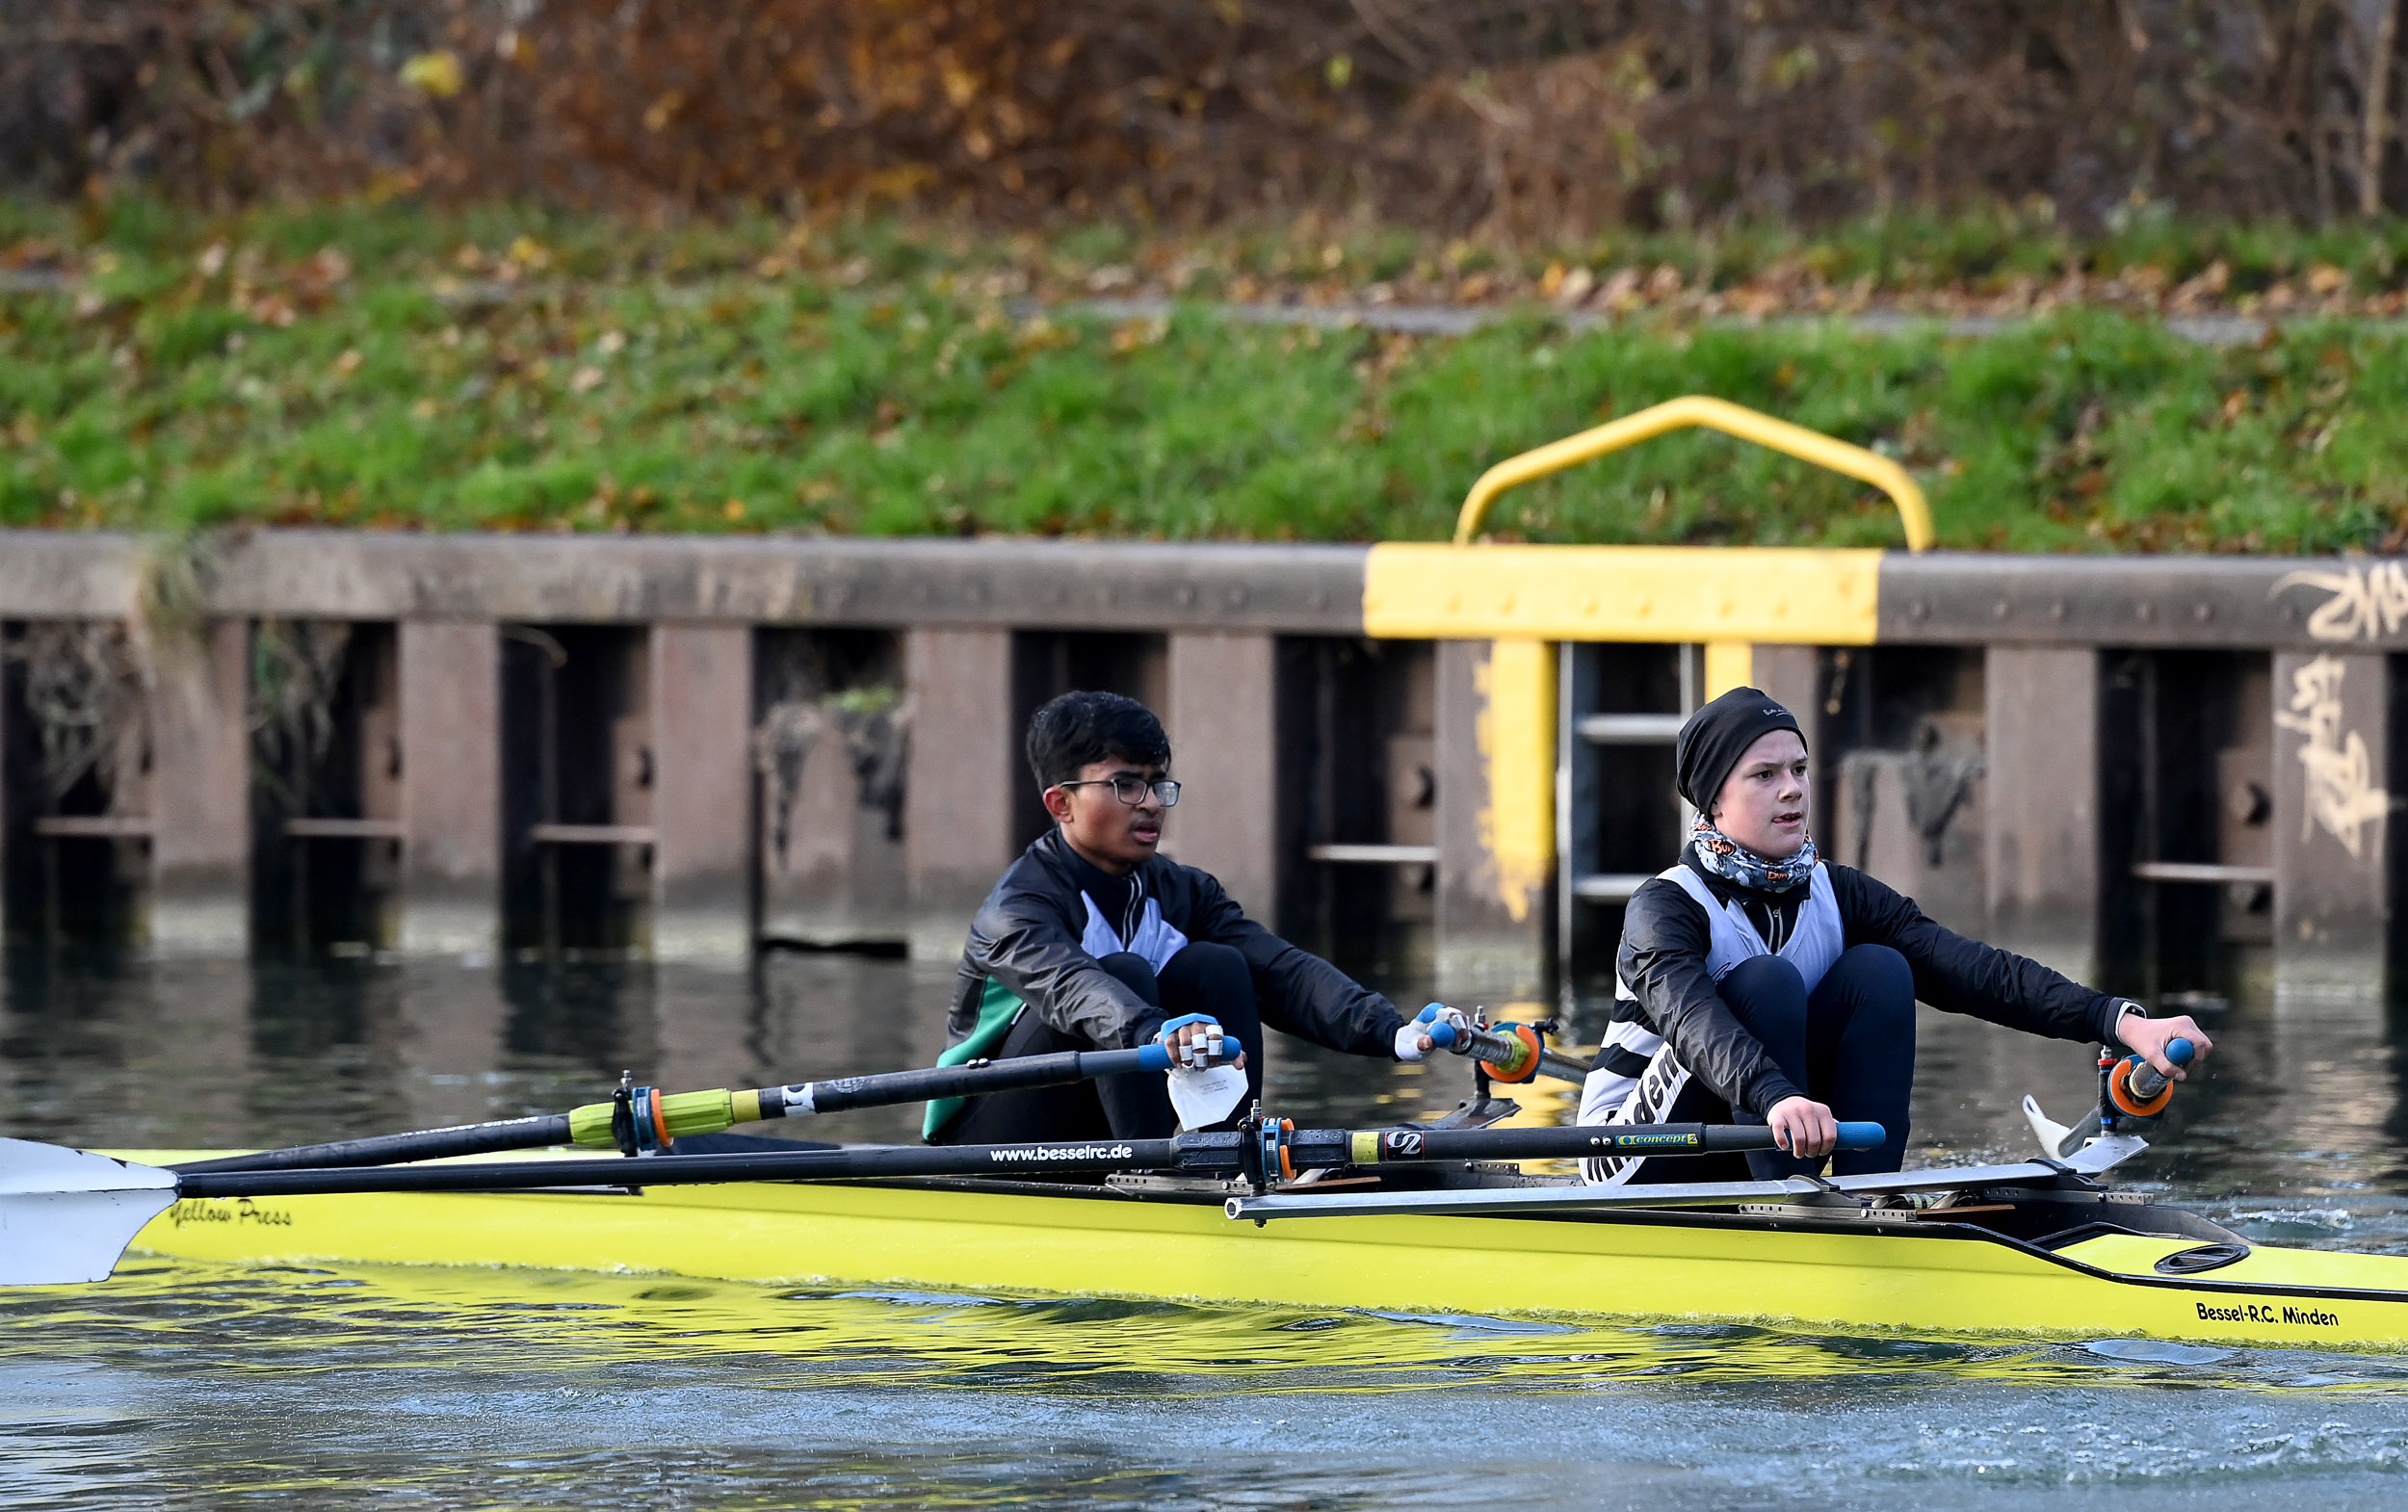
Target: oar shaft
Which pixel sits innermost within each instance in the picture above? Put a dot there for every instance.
(1267, 1151)
(430, 1144)
(675, 1114)
(660, 1117)
(980, 1078)
(688, 1170)
(1368, 1147)
(1569, 1068)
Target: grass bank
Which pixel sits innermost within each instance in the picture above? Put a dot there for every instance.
(507, 371)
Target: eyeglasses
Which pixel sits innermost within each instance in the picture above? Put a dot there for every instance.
(1132, 791)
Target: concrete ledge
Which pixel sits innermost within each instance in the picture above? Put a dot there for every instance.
(68, 575)
(2202, 602)
(639, 580)
(1938, 598)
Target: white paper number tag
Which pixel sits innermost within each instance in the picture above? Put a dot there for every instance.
(1205, 1097)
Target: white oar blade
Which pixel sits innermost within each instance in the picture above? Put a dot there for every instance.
(65, 1216)
(2055, 1140)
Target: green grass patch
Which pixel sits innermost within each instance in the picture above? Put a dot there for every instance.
(499, 369)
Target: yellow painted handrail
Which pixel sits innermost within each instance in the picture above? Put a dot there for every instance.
(1716, 414)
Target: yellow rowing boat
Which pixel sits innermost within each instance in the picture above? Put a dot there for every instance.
(1988, 1261)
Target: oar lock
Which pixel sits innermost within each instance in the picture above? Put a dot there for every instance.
(1274, 1150)
(2131, 1092)
(633, 1112)
(1505, 1052)
(644, 1120)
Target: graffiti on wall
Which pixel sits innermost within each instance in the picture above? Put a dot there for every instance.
(2365, 603)
(2343, 799)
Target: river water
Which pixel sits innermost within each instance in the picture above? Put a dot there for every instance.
(193, 1386)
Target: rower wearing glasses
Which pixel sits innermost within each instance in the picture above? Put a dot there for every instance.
(1094, 941)
(1758, 984)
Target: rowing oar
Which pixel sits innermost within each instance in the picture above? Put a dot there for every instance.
(640, 1119)
(68, 1214)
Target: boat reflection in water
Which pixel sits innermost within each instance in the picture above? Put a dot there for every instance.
(879, 1337)
(185, 1384)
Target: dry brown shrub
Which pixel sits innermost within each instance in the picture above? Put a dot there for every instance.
(1541, 117)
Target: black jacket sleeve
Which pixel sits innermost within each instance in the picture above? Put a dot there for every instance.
(1664, 941)
(1299, 992)
(1022, 938)
(1960, 975)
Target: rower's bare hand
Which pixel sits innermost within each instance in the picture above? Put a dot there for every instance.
(1803, 1127)
(1197, 1035)
(2148, 1037)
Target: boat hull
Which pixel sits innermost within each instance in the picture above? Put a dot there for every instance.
(1916, 1277)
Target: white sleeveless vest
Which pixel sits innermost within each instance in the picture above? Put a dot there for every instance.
(1814, 943)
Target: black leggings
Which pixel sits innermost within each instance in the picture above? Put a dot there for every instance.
(1850, 1043)
(1201, 979)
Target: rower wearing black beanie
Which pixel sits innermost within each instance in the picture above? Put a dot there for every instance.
(1758, 984)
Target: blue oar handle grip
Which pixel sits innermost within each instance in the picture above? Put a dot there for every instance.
(2179, 1050)
(1441, 1034)
(1861, 1137)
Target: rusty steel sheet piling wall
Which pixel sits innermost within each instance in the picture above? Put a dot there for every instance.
(2100, 759)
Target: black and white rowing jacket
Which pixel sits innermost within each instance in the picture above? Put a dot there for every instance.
(1685, 928)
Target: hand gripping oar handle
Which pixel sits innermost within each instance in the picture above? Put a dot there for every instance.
(1264, 1150)
(655, 1118)
(2146, 1079)
(2138, 1090)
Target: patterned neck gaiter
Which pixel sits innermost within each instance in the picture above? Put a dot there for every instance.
(1729, 860)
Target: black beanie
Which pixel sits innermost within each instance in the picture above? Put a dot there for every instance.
(1717, 735)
